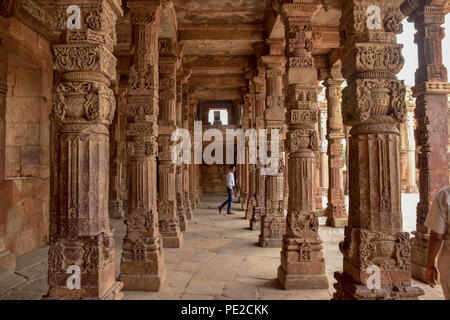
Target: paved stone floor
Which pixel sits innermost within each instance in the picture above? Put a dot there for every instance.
(220, 259)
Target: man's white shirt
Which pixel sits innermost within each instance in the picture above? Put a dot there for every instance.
(230, 180)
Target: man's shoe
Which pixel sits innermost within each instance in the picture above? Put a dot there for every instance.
(220, 209)
(230, 213)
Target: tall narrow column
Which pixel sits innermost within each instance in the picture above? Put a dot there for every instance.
(324, 174)
(185, 168)
(116, 209)
(302, 262)
(245, 167)
(83, 109)
(142, 267)
(169, 225)
(374, 104)
(336, 212)
(273, 222)
(411, 186)
(181, 210)
(432, 121)
(251, 148)
(260, 105)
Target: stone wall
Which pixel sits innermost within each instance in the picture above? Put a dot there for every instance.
(25, 176)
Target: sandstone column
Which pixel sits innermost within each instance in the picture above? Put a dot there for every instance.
(273, 222)
(83, 109)
(411, 187)
(302, 262)
(251, 146)
(324, 174)
(245, 167)
(185, 168)
(336, 211)
(181, 210)
(260, 104)
(374, 104)
(169, 226)
(432, 121)
(142, 267)
(116, 209)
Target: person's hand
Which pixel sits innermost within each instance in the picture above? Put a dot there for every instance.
(431, 275)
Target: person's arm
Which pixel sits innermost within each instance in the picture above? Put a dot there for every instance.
(433, 250)
(436, 222)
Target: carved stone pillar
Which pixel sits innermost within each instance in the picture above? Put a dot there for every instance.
(273, 222)
(302, 262)
(185, 168)
(260, 104)
(324, 174)
(167, 208)
(374, 104)
(432, 122)
(251, 148)
(83, 109)
(411, 186)
(116, 209)
(336, 212)
(142, 267)
(181, 210)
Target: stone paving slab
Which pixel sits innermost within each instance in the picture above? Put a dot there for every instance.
(219, 260)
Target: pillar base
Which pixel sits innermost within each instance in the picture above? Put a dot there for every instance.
(419, 256)
(418, 272)
(172, 241)
(141, 282)
(183, 225)
(337, 222)
(311, 281)
(255, 224)
(255, 221)
(64, 293)
(270, 242)
(348, 289)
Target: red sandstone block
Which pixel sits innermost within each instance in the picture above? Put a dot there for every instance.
(23, 109)
(30, 155)
(22, 134)
(33, 214)
(14, 219)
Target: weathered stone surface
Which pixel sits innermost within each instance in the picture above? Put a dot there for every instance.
(374, 106)
(83, 107)
(431, 91)
(302, 262)
(336, 212)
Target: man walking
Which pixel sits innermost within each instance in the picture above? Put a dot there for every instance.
(230, 188)
(438, 221)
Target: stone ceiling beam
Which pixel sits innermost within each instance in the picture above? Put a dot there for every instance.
(202, 94)
(221, 34)
(217, 82)
(214, 62)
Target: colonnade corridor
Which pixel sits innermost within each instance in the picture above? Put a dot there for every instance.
(220, 259)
